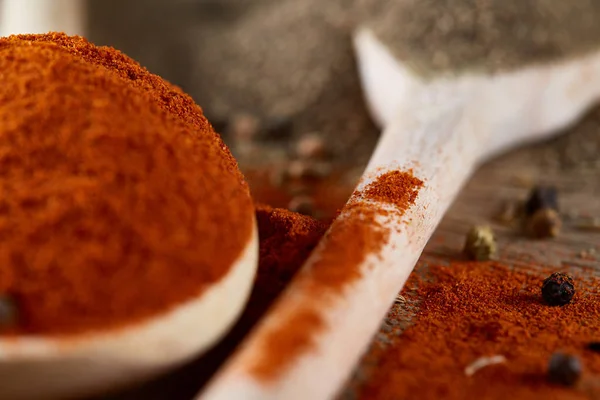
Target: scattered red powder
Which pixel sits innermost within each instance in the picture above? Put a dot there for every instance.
(396, 187)
(471, 310)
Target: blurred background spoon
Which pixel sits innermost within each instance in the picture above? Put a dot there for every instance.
(42, 16)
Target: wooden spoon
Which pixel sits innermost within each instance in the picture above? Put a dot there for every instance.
(33, 367)
(441, 129)
(36, 367)
(48, 367)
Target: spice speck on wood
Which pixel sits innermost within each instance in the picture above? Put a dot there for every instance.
(558, 289)
(564, 369)
(480, 244)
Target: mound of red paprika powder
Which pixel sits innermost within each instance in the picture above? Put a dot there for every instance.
(118, 201)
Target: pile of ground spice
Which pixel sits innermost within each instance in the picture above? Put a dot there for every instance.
(396, 188)
(117, 199)
(286, 240)
(471, 310)
(452, 36)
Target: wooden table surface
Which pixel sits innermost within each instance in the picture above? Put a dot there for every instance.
(571, 163)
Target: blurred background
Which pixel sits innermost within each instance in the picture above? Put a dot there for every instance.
(276, 78)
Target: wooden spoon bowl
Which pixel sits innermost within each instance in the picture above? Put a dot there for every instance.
(37, 367)
(141, 246)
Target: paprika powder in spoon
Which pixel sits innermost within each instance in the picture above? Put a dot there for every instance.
(127, 234)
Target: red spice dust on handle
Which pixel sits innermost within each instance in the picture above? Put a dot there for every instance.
(310, 340)
(308, 344)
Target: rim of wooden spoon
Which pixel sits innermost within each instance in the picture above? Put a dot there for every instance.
(56, 366)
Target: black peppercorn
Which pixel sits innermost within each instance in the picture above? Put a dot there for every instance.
(558, 289)
(541, 197)
(564, 369)
(541, 211)
(594, 346)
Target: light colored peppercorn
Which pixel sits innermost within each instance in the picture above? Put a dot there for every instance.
(480, 244)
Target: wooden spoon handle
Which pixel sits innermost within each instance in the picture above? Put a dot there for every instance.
(309, 343)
